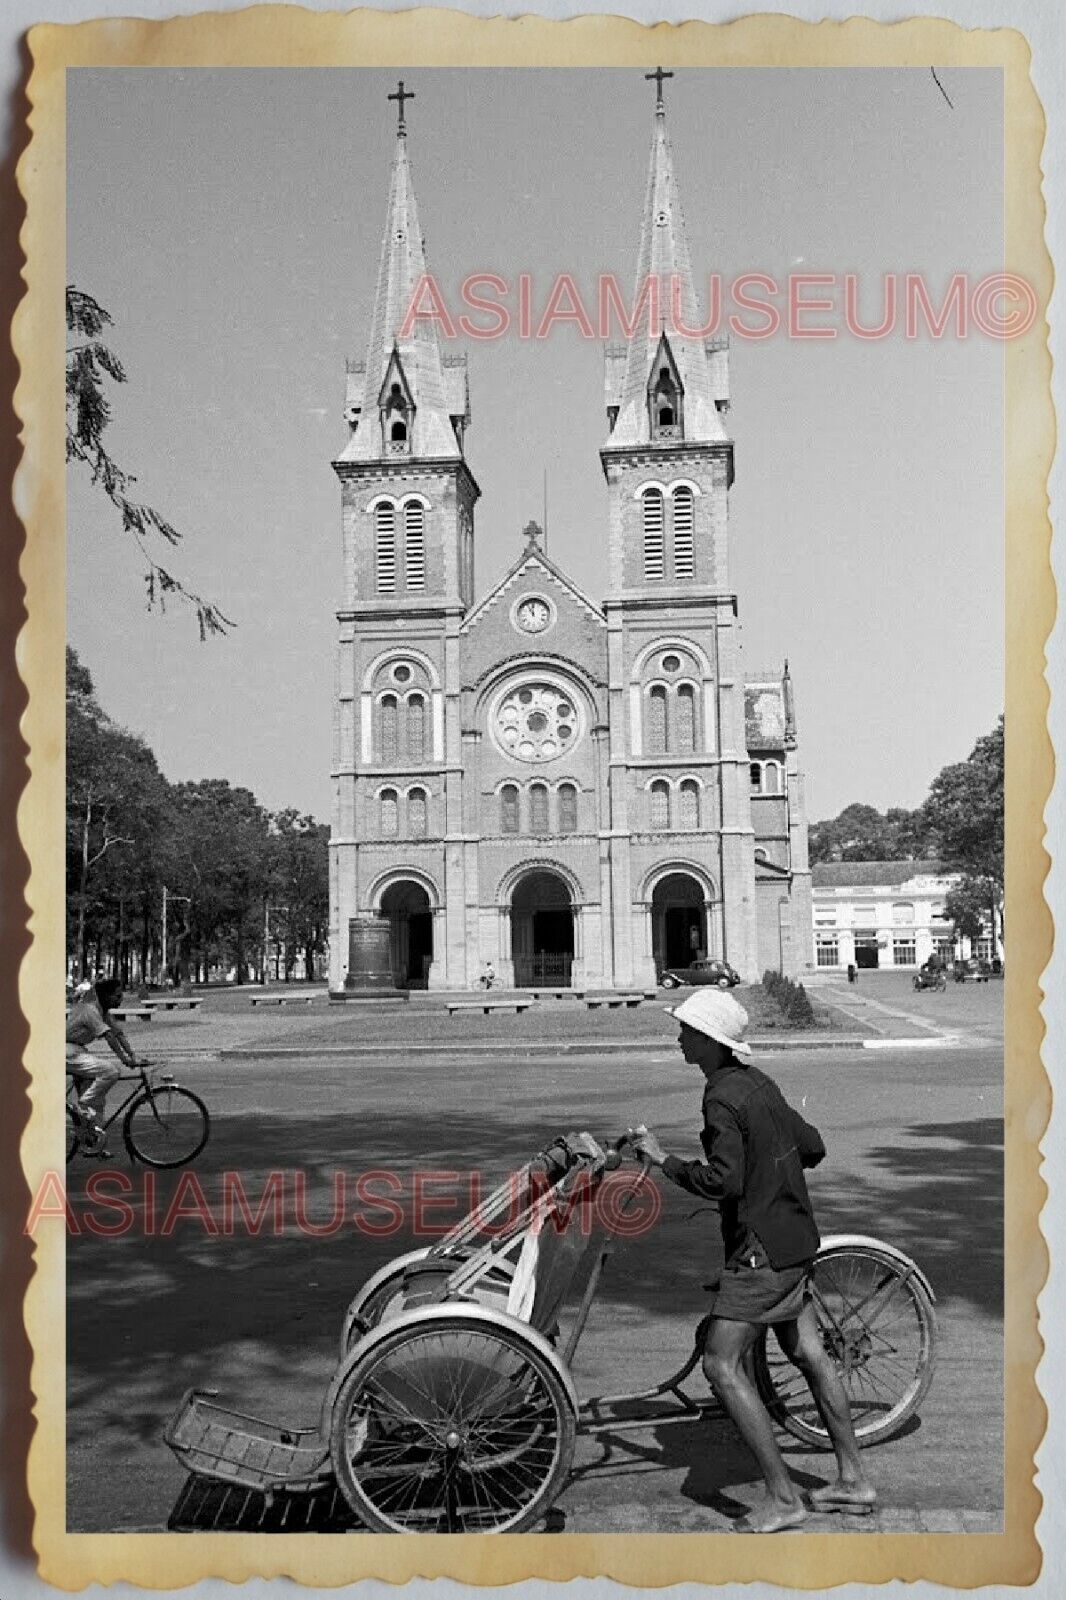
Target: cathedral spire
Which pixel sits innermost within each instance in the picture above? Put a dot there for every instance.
(667, 374)
(405, 408)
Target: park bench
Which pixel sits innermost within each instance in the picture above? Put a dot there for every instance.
(518, 1006)
(281, 999)
(124, 1013)
(613, 1001)
(178, 1003)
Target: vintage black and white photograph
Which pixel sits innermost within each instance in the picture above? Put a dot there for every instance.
(535, 937)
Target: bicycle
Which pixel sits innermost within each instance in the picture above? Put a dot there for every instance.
(164, 1125)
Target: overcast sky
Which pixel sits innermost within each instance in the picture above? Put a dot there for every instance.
(231, 222)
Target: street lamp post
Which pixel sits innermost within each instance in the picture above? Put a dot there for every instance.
(168, 896)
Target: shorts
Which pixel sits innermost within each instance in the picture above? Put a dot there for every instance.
(761, 1293)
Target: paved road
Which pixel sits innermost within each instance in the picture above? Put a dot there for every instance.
(915, 1156)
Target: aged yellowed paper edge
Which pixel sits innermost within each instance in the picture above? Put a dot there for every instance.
(286, 36)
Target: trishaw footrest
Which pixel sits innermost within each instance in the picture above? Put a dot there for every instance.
(230, 1447)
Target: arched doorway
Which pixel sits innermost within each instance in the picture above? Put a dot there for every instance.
(406, 906)
(678, 921)
(542, 930)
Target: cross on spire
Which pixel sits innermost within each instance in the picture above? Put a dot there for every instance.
(658, 75)
(401, 95)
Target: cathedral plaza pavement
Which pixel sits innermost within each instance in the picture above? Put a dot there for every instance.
(914, 1139)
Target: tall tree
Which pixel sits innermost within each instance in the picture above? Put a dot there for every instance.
(964, 811)
(90, 363)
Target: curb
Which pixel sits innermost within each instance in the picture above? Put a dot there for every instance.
(549, 1047)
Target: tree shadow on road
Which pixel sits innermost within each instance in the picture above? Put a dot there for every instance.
(260, 1316)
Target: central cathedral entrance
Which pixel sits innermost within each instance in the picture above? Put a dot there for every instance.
(542, 930)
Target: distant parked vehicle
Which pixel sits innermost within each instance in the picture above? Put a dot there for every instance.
(971, 971)
(930, 979)
(706, 970)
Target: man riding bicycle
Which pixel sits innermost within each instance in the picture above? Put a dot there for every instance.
(93, 1076)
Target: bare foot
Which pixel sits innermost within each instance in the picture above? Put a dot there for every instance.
(772, 1516)
(858, 1496)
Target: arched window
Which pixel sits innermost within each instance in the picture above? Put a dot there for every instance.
(659, 805)
(689, 807)
(509, 808)
(657, 720)
(385, 548)
(755, 776)
(538, 808)
(654, 566)
(416, 728)
(389, 746)
(390, 814)
(685, 720)
(684, 530)
(399, 432)
(414, 521)
(567, 808)
(417, 815)
(771, 778)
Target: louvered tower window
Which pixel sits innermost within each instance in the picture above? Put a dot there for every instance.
(416, 728)
(689, 807)
(654, 565)
(389, 751)
(567, 808)
(416, 813)
(684, 531)
(390, 814)
(657, 720)
(415, 545)
(509, 809)
(385, 548)
(659, 802)
(538, 808)
(685, 741)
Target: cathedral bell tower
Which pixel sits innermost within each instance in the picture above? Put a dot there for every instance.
(678, 754)
(407, 498)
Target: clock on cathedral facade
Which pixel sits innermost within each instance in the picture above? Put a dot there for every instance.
(581, 791)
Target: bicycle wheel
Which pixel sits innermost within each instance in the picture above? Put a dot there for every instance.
(877, 1322)
(452, 1423)
(73, 1133)
(166, 1128)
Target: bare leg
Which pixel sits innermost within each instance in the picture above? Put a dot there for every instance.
(801, 1342)
(724, 1364)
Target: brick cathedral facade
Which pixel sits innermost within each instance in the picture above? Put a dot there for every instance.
(579, 790)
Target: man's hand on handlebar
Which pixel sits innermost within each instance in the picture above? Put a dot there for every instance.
(645, 1144)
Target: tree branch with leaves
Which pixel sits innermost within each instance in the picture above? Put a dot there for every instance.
(90, 363)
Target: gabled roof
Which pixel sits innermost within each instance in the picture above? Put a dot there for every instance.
(531, 559)
(402, 268)
(664, 256)
(873, 874)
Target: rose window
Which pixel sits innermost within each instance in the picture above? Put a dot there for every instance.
(536, 722)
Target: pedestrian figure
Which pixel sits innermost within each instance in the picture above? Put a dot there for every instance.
(853, 972)
(756, 1147)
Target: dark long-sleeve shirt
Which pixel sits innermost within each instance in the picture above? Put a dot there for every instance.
(756, 1147)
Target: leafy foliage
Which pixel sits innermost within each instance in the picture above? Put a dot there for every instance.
(791, 998)
(89, 364)
(239, 881)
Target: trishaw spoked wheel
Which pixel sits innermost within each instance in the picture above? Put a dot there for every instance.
(452, 1425)
(877, 1322)
(73, 1135)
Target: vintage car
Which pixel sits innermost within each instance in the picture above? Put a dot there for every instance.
(707, 969)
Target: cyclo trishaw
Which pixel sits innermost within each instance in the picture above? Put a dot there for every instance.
(452, 1408)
